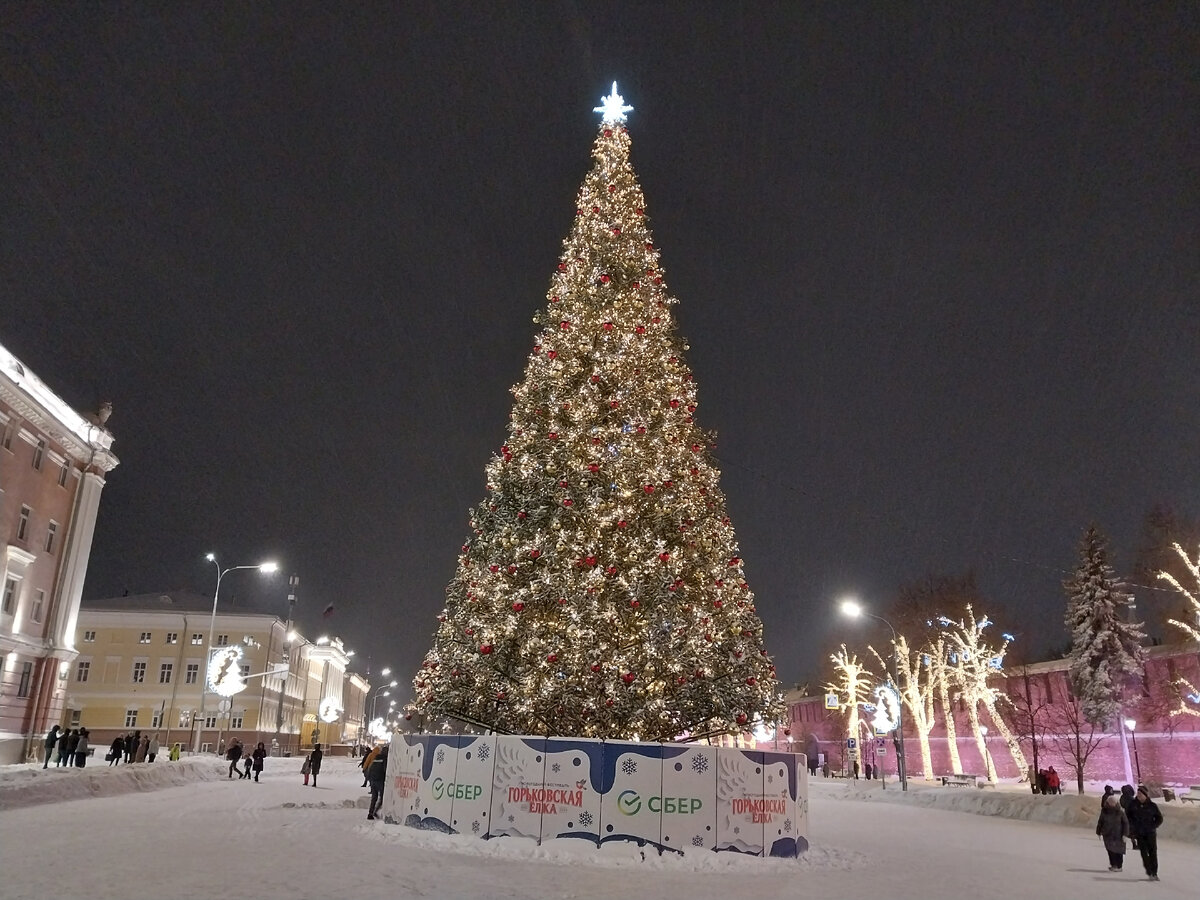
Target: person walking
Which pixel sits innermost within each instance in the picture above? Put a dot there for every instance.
(247, 760)
(1144, 818)
(64, 740)
(115, 751)
(1108, 792)
(234, 754)
(366, 764)
(377, 776)
(1126, 798)
(306, 768)
(1113, 828)
(173, 756)
(317, 755)
(1053, 781)
(260, 754)
(152, 750)
(51, 740)
(81, 749)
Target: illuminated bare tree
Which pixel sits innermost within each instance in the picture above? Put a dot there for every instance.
(916, 684)
(974, 660)
(852, 684)
(1189, 700)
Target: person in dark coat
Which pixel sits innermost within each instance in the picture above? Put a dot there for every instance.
(1144, 819)
(1109, 790)
(260, 753)
(377, 776)
(234, 755)
(317, 756)
(115, 751)
(51, 740)
(72, 746)
(130, 745)
(81, 749)
(1126, 797)
(64, 741)
(1113, 828)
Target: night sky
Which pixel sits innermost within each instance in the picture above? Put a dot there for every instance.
(938, 267)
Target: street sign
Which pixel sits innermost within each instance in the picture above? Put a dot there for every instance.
(881, 750)
(852, 753)
(851, 743)
(831, 701)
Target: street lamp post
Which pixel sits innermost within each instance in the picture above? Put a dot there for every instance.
(991, 765)
(266, 568)
(1132, 725)
(375, 695)
(854, 610)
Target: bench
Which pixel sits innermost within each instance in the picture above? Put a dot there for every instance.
(957, 780)
(1192, 796)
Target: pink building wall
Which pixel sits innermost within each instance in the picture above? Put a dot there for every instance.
(1168, 747)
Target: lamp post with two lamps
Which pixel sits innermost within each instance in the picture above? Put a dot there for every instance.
(1132, 726)
(854, 610)
(265, 568)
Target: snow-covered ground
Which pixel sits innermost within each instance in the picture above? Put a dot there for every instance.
(139, 831)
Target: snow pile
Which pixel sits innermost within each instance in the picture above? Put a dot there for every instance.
(30, 785)
(1181, 822)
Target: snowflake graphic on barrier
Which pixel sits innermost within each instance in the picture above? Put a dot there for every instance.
(485, 751)
(737, 829)
(699, 764)
(629, 766)
(787, 824)
(555, 767)
(475, 827)
(512, 818)
(585, 818)
(698, 841)
(441, 755)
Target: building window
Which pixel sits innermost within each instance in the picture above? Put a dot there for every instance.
(39, 454)
(83, 668)
(26, 677)
(222, 640)
(145, 638)
(51, 535)
(235, 721)
(23, 523)
(193, 673)
(245, 671)
(62, 475)
(10, 596)
(139, 672)
(39, 603)
(164, 673)
(197, 638)
(185, 719)
(76, 716)
(172, 637)
(89, 637)
(10, 429)
(156, 718)
(130, 718)
(210, 720)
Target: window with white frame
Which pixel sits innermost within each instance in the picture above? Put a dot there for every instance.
(245, 669)
(222, 640)
(39, 605)
(39, 453)
(172, 637)
(164, 673)
(235, 720)
(210, 720)
(63, 473)
(23, 523)
(51, 535)
(139, 672)
(89, 637)
(197, 638)
(10, 431)
(76, 716)
(185, 718)
(9, 604)
(130, 718)
(193, 673)
(26, 677)
(156, 718)
(83, 668)
(145, 638)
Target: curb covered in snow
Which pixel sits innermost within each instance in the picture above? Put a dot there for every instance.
(32, 785)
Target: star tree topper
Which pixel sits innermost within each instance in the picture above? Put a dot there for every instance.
(614, 107)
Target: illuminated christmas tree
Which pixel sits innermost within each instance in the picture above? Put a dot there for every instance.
(601, 591)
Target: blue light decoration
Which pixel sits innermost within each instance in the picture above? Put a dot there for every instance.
(995, 662)
(1008, 637)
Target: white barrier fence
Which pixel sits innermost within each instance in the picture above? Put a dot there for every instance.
(679, 797)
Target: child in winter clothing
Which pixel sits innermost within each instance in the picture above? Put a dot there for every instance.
(306, 768)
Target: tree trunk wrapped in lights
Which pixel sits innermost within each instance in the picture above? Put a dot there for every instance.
(942, 675)
(974, 661)
(852, 684)
(1189, 699)
(916, 687)
(601, 591)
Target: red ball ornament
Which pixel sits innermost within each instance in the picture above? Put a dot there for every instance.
(564, 325)
(612, 188)
(639, 211)
(649, 488)
(752, 681)
(522, 514)
(605, 278)
(564, 484)
(595, 667)
(741, 718)
(590, 560)
(664, 556)
(635, 603)
(485, 649)
(595, 209)
(674, 404)
(493, 569)
(562, 267)
(593, 467)
(612, 570)
(787, 731)
(641, 429)
(562, 601)
(628, 677)
(616, 229)
(608, 702)
(535, 553)
(595, 380)
(614, 403)
(554, 299)
(718, 604)
(641, 329)
(608, 132)
(568, 502)
(553, 435)
(408, 716)
(622, 524)
(518, 606)
(553, 657)
(551, 354)
(636, 285)
(512, 570)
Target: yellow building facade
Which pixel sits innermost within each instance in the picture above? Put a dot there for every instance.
(142, 666)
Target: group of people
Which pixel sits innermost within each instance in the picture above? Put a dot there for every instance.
(132, 747)
(1130, 814)
(1046, 781)
(253, 759)
(311, 767)
(71, 745)
(374, 766)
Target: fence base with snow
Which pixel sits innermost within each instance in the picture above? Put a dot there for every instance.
(674, 797)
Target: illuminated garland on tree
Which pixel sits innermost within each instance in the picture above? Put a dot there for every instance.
(601, 591)
(853, 683)
(1189, 701)
(917, 688)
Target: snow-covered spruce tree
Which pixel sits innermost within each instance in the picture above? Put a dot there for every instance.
(1189, 699)
(601, 591)
(1105, 648)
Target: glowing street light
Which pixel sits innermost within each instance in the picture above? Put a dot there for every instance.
(1132, 726)
(852, 609)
